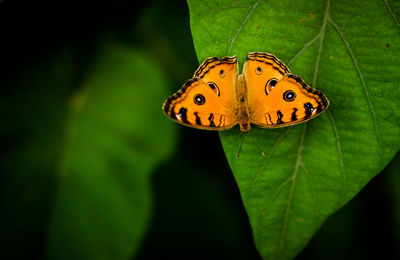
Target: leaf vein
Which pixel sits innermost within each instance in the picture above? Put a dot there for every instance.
(321, 43)
(222, 8)
(233, 40)
(396, 21)
(360, 75)
(306, 46)
(264, 212)
(267, 159)
(340, 155)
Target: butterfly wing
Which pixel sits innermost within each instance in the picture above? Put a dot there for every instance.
(207, 101)
(276, 97)
(260, 70)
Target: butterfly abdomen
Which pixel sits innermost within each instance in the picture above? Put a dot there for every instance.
(242, 107)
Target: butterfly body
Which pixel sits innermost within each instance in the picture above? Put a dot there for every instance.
(243, 115)
(265, 94)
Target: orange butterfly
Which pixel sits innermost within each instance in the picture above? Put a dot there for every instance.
(266, 94)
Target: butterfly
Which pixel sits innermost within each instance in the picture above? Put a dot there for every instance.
(266, 94)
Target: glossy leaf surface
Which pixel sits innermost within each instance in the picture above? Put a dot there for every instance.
(349, 51)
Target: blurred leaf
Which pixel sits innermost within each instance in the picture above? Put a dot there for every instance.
(350, 52)
(115, 136)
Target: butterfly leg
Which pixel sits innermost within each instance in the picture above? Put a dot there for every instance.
(256, 145)
(243, 135)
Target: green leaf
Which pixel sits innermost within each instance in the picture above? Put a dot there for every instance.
(115, 137)
(349, 51)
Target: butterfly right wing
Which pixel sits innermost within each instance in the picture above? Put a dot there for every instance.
(259, 70)
(276, 97)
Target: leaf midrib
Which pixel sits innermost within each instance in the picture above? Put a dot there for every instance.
(293, 178)
(301, 145)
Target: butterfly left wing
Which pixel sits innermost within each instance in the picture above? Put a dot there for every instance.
(277, 98)
(196, 105)
(207, 101)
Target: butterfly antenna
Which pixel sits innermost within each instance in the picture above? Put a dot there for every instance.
(256, 145)
(241, 144)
